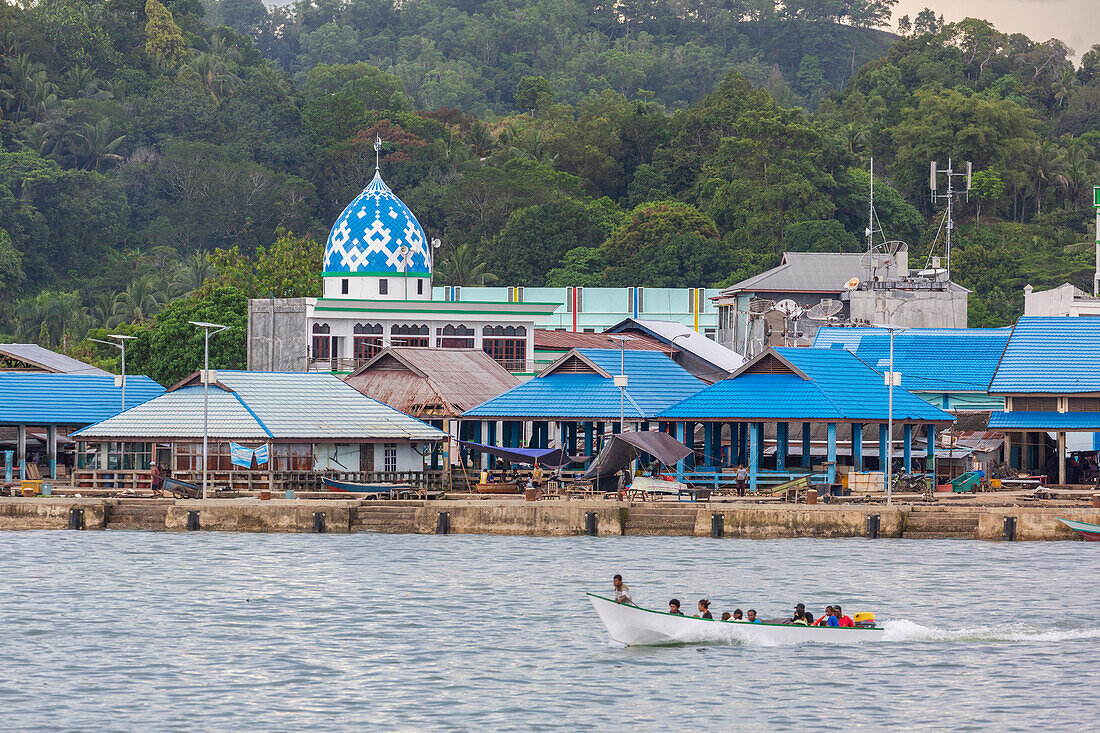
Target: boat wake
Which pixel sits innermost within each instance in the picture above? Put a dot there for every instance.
(908, 631)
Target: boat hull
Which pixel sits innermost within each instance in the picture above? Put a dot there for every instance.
(1090, 532)
(636, 626)
(350, 487)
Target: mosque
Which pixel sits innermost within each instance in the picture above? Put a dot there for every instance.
(378, 293)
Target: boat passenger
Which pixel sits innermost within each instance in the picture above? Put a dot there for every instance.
(674, 607)
(751, 617)
(842, 620)
(726, 616)
(622, 593)
(704, 609)
(824, 620)
(800, 616)
(738, 616)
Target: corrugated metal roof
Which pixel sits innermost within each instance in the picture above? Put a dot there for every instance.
(280, 405)
(459, 379)
(655, 382)
(68, 399)
(839, 387)
(929, 359)
(565, 340)
(687, 339)
(810, 272)
(49, 361)
(1050, 355)
(1024, 420)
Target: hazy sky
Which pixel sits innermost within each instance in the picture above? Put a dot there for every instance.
(1076, 22)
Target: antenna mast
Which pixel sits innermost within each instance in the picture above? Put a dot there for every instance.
(377, 149)
(949, 217)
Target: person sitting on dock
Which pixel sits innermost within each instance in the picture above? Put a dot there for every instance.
(674, 607)
(622, 593)
(738, 616)
(704, 609)
(842, 620)
(751, 617)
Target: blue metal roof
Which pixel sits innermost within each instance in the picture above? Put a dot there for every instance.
(838, 387)
(1088, 421)
(929, 359)
(68, 399)
(1050, 355)
(655, 382)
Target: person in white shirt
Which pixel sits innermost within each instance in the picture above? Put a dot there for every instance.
(622, 593)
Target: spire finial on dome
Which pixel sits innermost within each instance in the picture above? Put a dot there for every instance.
(377, 148)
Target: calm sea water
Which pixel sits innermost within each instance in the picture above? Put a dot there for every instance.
(216, 631)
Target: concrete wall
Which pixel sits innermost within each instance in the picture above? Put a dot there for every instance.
(913, 308)
(278, 335)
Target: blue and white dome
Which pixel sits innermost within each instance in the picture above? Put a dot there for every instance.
(368, 236)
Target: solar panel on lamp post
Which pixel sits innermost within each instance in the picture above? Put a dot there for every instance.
(206, 390)
(121, 345)
(621, 380)
(892, 378)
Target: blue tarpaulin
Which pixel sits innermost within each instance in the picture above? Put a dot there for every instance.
(548, 457)
(242, 456)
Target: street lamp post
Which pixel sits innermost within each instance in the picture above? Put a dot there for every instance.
(892, 378)
(621, 380)
(120, 345)
(206, 390)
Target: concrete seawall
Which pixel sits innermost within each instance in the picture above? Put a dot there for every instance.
(509, 517)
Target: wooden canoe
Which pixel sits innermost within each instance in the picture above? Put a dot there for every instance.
(1090, 532)
(350, 487)
(498, 488)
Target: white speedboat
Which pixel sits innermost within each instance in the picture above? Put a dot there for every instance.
(635, 626)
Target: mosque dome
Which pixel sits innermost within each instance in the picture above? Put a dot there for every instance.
(369, 235)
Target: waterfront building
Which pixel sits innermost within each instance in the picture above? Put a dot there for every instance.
(39, 410)
(850, 288)
(1064, 300)
(308, 422)
(1049, 377)
(434, 385)
(593, 310)
(377, 293)
(803, 387)
(949, 367)
(577, 400)
(699, 354)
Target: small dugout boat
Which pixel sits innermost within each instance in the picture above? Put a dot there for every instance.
(636, 626)
(1090, 532)
(350, 487)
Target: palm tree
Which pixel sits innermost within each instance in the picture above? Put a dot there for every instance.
(140, 301)
(1078, 169)
(1042, 165)
(52, 318)
(463, 266)
(99, 145)
(191, 274)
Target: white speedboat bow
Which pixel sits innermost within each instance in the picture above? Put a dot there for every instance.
(635, 626)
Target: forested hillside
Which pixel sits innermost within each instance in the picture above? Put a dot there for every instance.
(164, 162)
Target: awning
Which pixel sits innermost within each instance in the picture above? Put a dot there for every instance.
(623, 448)
(548, 457)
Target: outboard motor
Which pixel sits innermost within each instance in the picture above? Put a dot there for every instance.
(864, 620)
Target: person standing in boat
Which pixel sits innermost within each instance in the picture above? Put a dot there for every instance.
(622, 593)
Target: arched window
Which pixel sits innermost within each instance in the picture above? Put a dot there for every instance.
(455, 337)
(368, 341)
(322, 342)
(409, 335)
(507, 345)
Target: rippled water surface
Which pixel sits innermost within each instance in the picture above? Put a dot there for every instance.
(217, 631)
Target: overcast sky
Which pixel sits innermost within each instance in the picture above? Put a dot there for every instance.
(1077, 22)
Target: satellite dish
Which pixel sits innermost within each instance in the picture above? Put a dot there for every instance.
(789, 308)
(824, 310)
(852, 284)
(761, 305)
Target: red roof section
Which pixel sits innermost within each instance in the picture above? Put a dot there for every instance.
(565, 340)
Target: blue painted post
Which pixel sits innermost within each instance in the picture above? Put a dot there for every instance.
(743, 443)
(857, 446)
(832, 453)
(8, 455)
(680, 429)
(907, 442)
(588, 438)
(708, 444)
(731, 459)
(807, 456)
(754, 454)
(930, 464)
(485, 437)
(782, 438)
(883, 440)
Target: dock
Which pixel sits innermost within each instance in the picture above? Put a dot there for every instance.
(507, 516)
